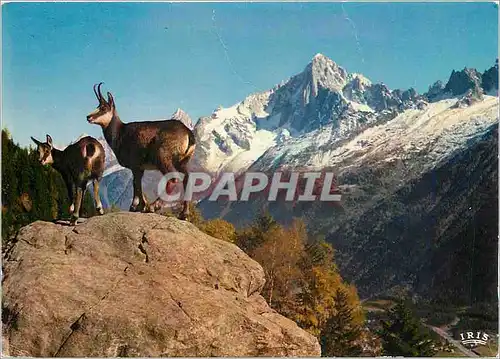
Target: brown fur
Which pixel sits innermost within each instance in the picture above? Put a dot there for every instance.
(79, 163)
(166, 146)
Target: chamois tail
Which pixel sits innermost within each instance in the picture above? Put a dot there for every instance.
(191, 145)
(88, 153)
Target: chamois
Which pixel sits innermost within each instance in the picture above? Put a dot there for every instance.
(166, 146)
(79, 163)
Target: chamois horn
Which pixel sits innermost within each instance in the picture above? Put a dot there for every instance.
(98, 93)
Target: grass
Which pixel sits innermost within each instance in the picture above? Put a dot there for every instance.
(444, 354)
(489, 350)
(381, 304)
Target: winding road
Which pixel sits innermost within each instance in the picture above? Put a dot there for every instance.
(443, 334)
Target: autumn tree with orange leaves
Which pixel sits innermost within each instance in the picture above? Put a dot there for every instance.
(302, 280)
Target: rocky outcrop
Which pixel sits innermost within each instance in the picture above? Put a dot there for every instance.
(468, 99)
(469, 83)
(489, 80)
(435, 92)
(130, 284)
(355, 88)
(462, 81)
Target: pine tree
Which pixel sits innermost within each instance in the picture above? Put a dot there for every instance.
(341, 334)
(280, 253)
(253, 237)
(404, 335)
(318, 253)
(264, 221)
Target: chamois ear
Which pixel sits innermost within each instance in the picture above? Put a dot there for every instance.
(49, 140)
(111, 100)
(35, 140)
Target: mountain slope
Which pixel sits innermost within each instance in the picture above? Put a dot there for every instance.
(437, 233)
(396, 225)
(379, 160)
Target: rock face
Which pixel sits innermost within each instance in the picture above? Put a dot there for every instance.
(435, 92)
(462, 81)
(446, 220)
(490, 79)
(129, 284)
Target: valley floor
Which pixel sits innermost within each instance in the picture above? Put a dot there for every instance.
(376, 309)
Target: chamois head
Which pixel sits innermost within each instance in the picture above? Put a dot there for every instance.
(103, 114)
(44, 151)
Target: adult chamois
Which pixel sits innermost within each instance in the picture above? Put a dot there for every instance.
(166, 146)
(79, 163)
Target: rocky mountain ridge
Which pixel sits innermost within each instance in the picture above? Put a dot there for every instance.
(322, 97)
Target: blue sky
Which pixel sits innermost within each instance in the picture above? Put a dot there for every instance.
(156, 57)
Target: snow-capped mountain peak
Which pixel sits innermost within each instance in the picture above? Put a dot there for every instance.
(319, 56)
(182, 116)
(325, 73)
(323, 94)
(322, 100)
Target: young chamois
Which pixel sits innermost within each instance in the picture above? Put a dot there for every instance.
(166, 146)
(79, 163)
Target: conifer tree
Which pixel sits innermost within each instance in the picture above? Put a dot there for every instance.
(301, 276)
(253, 237)
(341, 334)
(404, 335)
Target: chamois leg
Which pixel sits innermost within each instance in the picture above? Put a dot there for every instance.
(157, 203)
(80, 190)
(184, 215)
(138, 202)
(147, 206)
(98, 203)
(71, 195)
